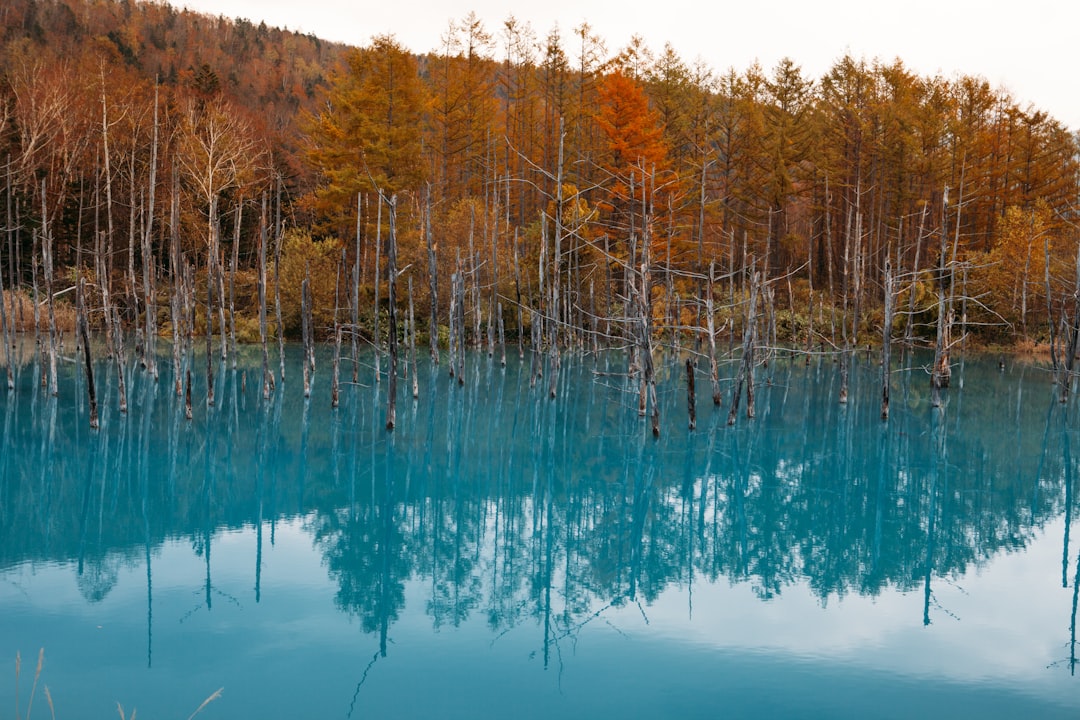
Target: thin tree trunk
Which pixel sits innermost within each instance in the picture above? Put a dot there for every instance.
(7, 332)
(355, 295)
(149, 273)
(886, 341)
(460, 321)
(47, 267)
(132, 292)
(268, 376)
(710, 324)
(391, 288)
(305, 325)
(909, 325)
(232, 278)
(176, 270)
(84, 337)
(746, 366)
(412, 343)
(691, 397)
(517, 298)
(337, 332)
(375, 319)
(103, 255)
(1074, 336)
(211, 260)
(557, 264)
(433, 282)
(939, 375)
(279, 233)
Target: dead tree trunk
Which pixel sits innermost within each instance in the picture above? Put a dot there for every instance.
(391, 291)
(232, 279)
(460, 322)
(1074, 336)
(84, 338)
(1056, 366)
(556, 270)
(149, 274)
(940, 372)
(355, 295)
(452, 325)
(177, 282)
(47, 268)
(691, 396)
(909, 325)
(268, 376)
(279, 236)
(710, 326)
(746, 366)
(210, 260)
(412, 343)
(337, 332)
(375, 314)
(305, 327)
(886, 341)
(517, 299)
(7, 332)
(433, 282)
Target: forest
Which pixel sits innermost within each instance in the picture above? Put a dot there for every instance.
(170, 174)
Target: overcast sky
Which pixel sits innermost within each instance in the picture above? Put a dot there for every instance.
(1032, 48)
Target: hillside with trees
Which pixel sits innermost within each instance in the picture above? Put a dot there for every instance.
(195, 172)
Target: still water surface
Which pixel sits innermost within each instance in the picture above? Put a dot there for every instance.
(503, 554)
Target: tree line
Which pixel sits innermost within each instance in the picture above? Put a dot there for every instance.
(579, 194)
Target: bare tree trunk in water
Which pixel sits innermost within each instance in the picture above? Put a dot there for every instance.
(305, 326)
(941, 371)
(433, 282)
(746, 367)
(279, 234)
(355, 295)
(886, 341)
(691, 397)
(337, 332)
(710, 325)
(412, 343)
(268, 376)
(375, 318)
(391, 290)
(84, 337)
(149, 279)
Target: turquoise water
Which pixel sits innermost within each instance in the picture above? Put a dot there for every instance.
(504, 554)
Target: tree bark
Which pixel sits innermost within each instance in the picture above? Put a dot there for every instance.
(391, 290)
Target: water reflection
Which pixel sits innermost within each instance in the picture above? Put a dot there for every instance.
(512, 507)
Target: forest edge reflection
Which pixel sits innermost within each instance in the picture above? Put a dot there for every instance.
(500, 498)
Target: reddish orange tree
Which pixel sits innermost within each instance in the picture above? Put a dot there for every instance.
(635, 164)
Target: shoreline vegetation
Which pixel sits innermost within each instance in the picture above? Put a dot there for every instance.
(167, 174)
(38, 670)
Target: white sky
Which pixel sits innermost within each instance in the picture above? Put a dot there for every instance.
(1030, 48)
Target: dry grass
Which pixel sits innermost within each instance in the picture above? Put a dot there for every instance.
(48, 696)
(33, 687)
(22, 314)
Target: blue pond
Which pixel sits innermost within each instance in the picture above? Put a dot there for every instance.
(506, 554)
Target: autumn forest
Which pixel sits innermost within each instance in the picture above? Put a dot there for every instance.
(170, 174)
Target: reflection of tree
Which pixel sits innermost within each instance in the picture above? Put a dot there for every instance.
(98, 577)
(502, 501)
(366, 553)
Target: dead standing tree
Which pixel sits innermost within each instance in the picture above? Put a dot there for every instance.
(886, 340)
(746, 366)
(216, 150)
(941, 371)
(391, 289)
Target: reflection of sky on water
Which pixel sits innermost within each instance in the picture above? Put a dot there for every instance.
(995, 630)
